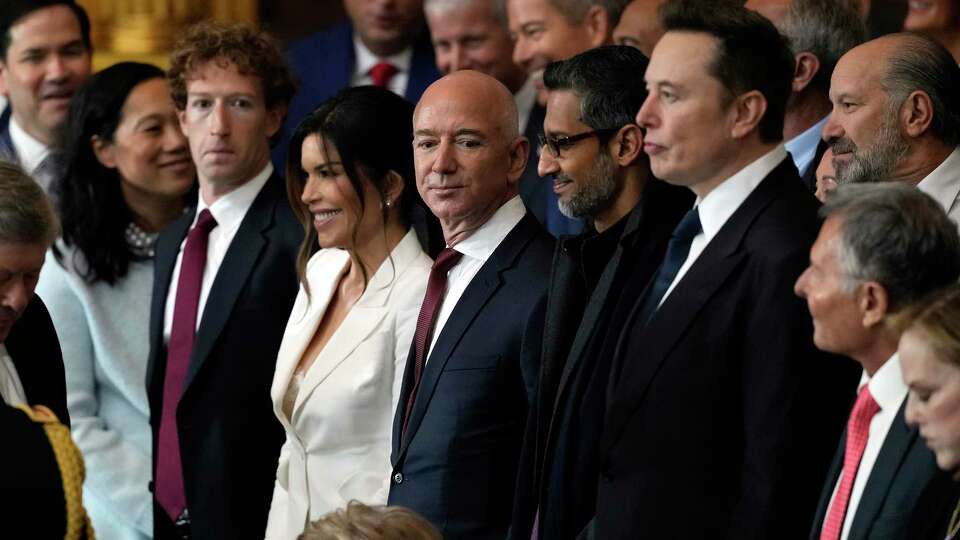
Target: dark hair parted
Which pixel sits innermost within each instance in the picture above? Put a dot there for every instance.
(254, 53)
(896, 235)
(92, 208)
(608, 80)
(920, 63)
(26, 215)
(751, 54)
(12, 11)
(576, 10)
(825, 28)
(371, 128)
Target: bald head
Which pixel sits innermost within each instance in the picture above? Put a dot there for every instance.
(468, 153)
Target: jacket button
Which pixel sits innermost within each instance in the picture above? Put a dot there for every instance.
(398, 478)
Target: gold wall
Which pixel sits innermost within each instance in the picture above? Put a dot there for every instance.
(144, 30)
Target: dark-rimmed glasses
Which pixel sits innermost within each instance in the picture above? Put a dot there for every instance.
(558, 144)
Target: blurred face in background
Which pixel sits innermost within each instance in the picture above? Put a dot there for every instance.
(386, 27)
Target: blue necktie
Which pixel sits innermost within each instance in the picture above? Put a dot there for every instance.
(677, 250)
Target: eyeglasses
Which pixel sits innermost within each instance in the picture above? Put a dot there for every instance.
(557, 144)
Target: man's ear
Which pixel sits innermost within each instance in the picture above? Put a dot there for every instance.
(806, 67)
(749, 109)
(519, 152)
(104, 152)
(627, 145)
(275, 120)
(874, 303)
(916, 114)
(598, 26)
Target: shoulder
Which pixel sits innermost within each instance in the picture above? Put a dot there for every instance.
(312, 47)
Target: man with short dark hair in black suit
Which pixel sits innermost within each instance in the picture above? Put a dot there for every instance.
(472, 368)
(224, 283)
(722, 414)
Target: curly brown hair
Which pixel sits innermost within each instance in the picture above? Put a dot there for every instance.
(253, 52)
(361, 522)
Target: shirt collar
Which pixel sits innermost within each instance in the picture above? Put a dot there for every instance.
(943, 183)
(30, 151)
(886, 385)
(482, 243)
(717, 207)
(365, 60)
(230, 208)
(803, 147)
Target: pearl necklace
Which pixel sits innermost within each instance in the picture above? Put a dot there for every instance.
(140, 241)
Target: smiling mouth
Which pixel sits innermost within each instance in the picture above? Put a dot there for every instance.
(323, 216)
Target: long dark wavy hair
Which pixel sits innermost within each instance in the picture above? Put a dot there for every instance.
(372, 129)
(93, 212)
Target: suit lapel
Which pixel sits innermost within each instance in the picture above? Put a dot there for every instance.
(7, 150)
(241, 257)
(833, 474)
(810, 175)
(167, 250)
(893, 452)
(666, 328)
(474, 298)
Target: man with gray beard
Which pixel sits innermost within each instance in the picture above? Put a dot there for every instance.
(593, 150)
(896, 116)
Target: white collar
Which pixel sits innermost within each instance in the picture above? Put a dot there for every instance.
(30, 151)
(484, 241)
(525, 99)
(229, 209)
(365, 60)
(886, 385)
(943, 183)
(717, 207)
(803, 147)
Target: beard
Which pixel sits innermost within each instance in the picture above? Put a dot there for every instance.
(876, 162)
(597, 188)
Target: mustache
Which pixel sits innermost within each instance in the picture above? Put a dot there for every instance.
(841, 145)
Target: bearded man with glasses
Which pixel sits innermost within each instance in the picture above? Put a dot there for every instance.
(593, 152)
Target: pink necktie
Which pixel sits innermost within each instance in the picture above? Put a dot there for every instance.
(436, 287)
(169, 480)
(381, 74)
(858, 431)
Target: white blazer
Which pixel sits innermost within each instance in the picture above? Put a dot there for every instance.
(338, 439)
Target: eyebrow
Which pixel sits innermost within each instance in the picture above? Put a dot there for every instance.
(148, 118)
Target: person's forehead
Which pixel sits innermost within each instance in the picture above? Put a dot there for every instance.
(563, 107)
(18, 257)
(524, 11)
(222, 76)
(35, 27)
(682, 53)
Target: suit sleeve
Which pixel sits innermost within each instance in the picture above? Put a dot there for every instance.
(779, 485)
(117, 471)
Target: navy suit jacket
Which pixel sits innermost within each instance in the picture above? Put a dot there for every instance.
(905, 494)
(724, 418)
(7, 151)
(35, 350)
(457, 463)
(229, 437)
(324, 64)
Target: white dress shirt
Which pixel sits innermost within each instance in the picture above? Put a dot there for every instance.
(228, 211)
(717, 207)
(10, 388)
(476, 249)
(889, 391)
(525, 98)
(803, 147)
(365, 60)
(943, 184)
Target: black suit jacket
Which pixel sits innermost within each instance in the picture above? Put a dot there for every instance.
(229, 437)
(457, 463)
(35, 350)
(904, 495)
(809, 177)
(725, 415)
(559, 467)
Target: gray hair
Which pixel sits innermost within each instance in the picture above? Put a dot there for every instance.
(895, 235)
(498, 8)
(26, 215)
(920, 63)
(575, 10)
(825, 28)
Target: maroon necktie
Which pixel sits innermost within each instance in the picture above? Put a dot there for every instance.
(169, 479)
(436, 287)
(381, 73)
(858, 431)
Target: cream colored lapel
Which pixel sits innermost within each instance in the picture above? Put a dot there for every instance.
(323, 275)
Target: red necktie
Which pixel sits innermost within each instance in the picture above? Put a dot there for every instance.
(169, 480)
(436, 287)
(381, 74)
(858, 431)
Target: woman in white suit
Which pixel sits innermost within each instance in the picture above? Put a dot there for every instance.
(342, 358)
